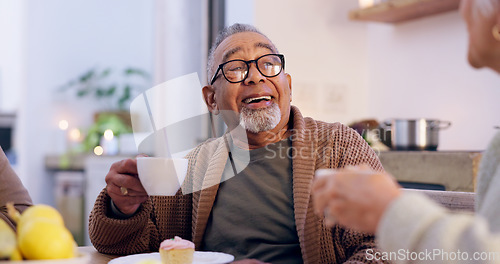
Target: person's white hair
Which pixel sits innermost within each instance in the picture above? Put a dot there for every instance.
(485, 8)
(225, 33)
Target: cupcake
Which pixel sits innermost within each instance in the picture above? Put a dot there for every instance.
(176, 251)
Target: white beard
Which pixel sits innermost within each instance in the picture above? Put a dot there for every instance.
(260, 120)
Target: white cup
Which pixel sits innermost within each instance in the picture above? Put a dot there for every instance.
(161, 176)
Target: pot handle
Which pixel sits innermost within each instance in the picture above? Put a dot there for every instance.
(442, 124)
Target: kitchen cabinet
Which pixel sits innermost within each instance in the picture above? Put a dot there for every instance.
(451, 170)
(79, 180)
(394, 11)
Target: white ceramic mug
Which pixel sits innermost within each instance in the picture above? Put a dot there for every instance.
(161, 176)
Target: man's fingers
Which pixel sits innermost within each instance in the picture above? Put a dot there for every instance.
(130, 191)
(320, 201)
(323, 196)
(319, 183)
(333, 210)
(130, 182)
(126, 203)
(126, 166)
(322, 173)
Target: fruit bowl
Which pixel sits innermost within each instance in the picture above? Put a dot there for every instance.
(81, 258)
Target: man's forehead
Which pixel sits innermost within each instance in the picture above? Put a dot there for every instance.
(240, 41)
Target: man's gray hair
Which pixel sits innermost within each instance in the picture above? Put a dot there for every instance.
(225, 33)
(485, 8)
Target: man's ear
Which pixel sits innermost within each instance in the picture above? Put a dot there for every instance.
(289, 79)
(209, 97)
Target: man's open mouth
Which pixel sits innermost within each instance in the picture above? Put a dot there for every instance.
(257, 99)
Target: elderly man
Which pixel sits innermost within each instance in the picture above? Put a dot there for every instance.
(262, 212)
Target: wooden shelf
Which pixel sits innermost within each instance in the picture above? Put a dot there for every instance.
(394, 11)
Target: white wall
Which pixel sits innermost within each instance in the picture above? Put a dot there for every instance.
(324, 53)
(181, 49)
(239, 11)
(346, 71)
(420, 69)
(11, 53)
(64, 39)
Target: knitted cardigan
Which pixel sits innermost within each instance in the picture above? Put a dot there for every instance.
(315, 145)
(11, 190)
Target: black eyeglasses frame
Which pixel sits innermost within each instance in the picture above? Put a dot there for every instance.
(281, 56)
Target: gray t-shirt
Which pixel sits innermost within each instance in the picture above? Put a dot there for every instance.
(253, 215)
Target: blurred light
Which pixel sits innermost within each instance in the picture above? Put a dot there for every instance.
(108, 134)
(75, 134)
(98, 150)
(63, 124)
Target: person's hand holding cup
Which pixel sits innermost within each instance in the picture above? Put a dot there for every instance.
(124, 186)
(354, 197)
(131, 181)
(161, 176)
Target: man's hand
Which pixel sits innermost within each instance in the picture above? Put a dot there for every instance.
(355, 197)
(124, 187)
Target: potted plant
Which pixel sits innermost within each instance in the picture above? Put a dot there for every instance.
(115, 89)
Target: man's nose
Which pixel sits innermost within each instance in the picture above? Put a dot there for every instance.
(254, 75)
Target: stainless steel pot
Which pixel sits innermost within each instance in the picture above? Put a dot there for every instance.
(415, 134)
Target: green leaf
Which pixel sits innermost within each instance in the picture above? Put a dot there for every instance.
(136, 71)
(87, 76)
(113, 122)
(92, 138)
(129, 71)
(111, 90)
(81, 93)
(125, 97)
(106, 72)
(126, 91)
(100, 92)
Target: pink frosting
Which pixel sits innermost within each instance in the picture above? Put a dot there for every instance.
(176, 243)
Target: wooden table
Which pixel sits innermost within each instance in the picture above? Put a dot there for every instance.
(92, 257)
(96, 257)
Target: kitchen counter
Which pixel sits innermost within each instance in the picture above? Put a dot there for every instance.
(66, 162)
(454, 170)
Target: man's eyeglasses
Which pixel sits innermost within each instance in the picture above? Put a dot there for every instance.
(236, 71)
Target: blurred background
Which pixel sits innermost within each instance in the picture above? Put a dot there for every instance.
(69, 69)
